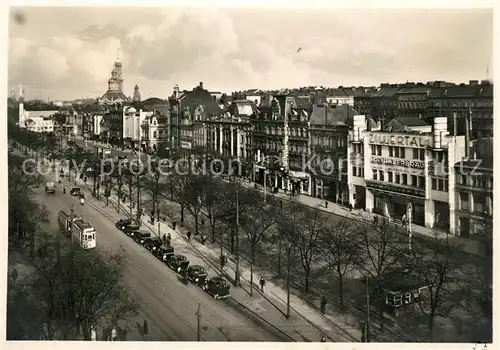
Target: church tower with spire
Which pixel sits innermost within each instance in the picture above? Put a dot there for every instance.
(137, 94)
(115, 85)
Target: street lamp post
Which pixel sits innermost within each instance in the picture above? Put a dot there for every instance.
(198, 321)
(409, 211)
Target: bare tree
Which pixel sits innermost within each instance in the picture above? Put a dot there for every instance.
(340, 247)
(290, 221)
(180, 191)
(74, 290)
(214, 201)
(306, 241)
(382, 251)
(195, 186)
(256, 221)
(438, 268)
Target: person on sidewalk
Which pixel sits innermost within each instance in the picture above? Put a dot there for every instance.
(203, 239)
(189, 236)
(64, 190)
(164, 238)
(403, 221)
(326, 204)
(174, 225)
(145, 329)
(222, 261)
(323, 304)
(262, 283)
(114, 334)
(169, 239)
(152, 219)
(350, 207)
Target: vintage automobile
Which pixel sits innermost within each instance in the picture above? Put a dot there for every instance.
(131, 229)
(217, 287)
(140, 236)
(50, 187)
(178, 263)
(75, 191)
(164, 252)
(197, 274)
(152, 243)
(128, 225)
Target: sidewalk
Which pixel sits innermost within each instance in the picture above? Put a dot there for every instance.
(469, 246)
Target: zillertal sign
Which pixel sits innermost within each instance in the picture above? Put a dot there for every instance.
(401, 140)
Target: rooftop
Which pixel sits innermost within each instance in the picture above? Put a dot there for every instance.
(335, 115)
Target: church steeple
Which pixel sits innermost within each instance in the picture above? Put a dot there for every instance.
(137, 94)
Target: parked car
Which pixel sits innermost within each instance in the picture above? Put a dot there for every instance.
(50, 187)
(131, 230)
(164, 252)
(153, 243)
(217, 287)
(127, 224)
(75, 191)
(140, 236)
(197, 274)
(178, 263)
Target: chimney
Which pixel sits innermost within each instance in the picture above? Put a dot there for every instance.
(325, 107)
(467, 135)
(201, 85)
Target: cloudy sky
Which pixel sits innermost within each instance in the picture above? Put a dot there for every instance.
(67, 53)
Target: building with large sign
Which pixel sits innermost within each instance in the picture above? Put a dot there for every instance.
(413, 162)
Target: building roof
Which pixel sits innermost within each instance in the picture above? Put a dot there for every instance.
(335, 115)
(411, 121)
(155, 101)
(113, 96)
(239, 108)
(385, 92)
(42, 114)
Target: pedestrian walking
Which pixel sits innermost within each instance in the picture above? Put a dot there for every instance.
(323, 304)
(189, 236)
(164, 238)
(350, 207)
(174, 224)
(145, 329)
(169, 238)
(326, 204)
(152, 219)
(262, 283)
(222, 261)
(203, 239)
(114, 334)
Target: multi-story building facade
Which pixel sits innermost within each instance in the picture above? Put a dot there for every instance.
(341, 96)
(413, 102)
(328, 128)
(187, 111)
(413, 162)
(474, 100)
(281, 145)
(381, 105)
(474, 192)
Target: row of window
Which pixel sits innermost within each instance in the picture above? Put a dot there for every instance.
(330, 141)
(462, 104)
(274, 130)
(412, 105)
(478, 181)
(358, 171)
(439, 184)
(397, 152)
(480, 204)
(397, 178)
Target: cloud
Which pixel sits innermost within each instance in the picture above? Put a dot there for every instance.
(232, 50)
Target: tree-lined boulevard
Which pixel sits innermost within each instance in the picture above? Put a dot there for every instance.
(299, 247)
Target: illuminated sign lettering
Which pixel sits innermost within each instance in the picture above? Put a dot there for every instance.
(399, 162)
(400, 140)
